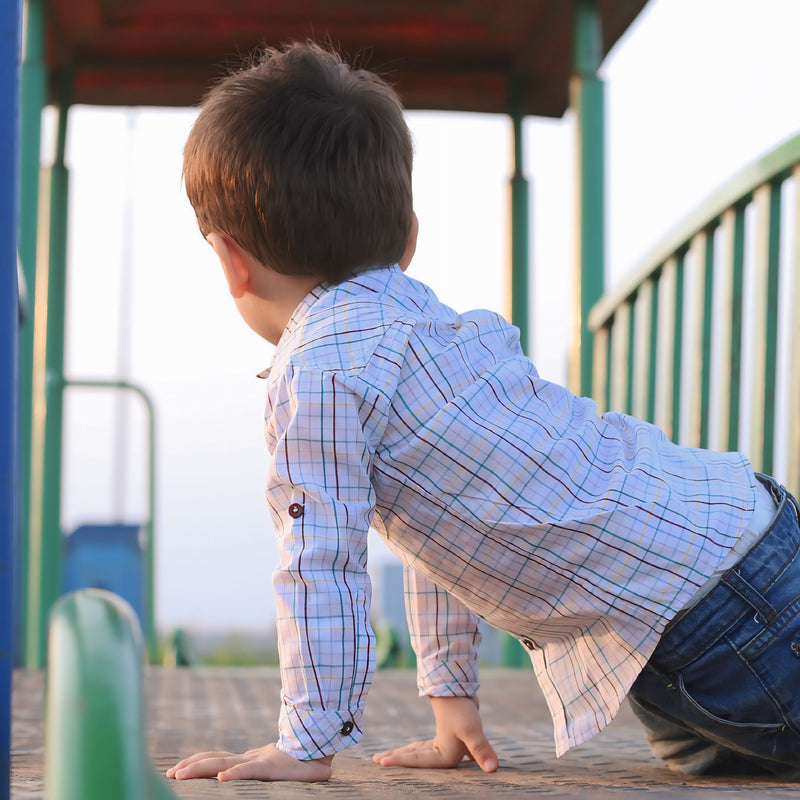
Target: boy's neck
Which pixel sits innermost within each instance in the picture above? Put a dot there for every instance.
(266, 299)
(275, 297)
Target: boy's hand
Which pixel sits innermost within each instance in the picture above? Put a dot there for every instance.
(459, 734)
(263, 764)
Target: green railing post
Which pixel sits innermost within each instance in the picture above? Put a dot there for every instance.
(737, 298)
(520, 315)
(674, 430)
(151, 634)
(770, 334)
(587, 98)
(706, 320)
(44, 567)
(94, 721)
(34, 88)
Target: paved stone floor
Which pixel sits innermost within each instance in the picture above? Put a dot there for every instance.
(199, 709)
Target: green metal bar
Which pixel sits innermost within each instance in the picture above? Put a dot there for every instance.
(771, 333)
(520, 287)
(736, 328)
(512, 652)
(94, 720)
(151, 634)
(44, 568)
(631, 350)
(34, 89)
(677, 350)
(774, 166)
(610, 362)
(513, 655)
(587, 98)
(653, 344)
(708, 302)
(793, 432)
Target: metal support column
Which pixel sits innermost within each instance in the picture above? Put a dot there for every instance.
(587, 98)
(34, 87)
(520, 315)
(44, 567)
(513, 655)
(9, 311)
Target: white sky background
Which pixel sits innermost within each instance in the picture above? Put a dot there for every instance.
(695, 91)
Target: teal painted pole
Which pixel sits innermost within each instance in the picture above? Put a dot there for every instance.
(587, 98)
(44, 567)
(737, 301)
(771, 333)
(520, 286)
(9, 311)
(513, 654)
(34, 87)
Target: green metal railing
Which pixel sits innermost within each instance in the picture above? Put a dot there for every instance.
(94, 720)
(700, 339)
(151, 636)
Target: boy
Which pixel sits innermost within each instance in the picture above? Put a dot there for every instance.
(622, 562)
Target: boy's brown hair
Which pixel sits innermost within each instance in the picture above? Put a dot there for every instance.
(305, 163)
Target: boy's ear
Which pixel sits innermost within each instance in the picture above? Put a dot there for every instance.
(233, 261)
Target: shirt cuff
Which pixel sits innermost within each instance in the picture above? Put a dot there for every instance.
(310, 733)
(448, 689)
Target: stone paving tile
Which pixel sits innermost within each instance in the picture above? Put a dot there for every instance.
(190, 710)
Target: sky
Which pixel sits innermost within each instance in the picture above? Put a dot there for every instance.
(695, 91)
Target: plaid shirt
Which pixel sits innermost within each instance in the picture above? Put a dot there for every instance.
(505, 497)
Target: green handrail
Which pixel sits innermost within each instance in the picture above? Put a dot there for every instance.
(94, 719)
(775, 166)
(151, 636)
(681, 315)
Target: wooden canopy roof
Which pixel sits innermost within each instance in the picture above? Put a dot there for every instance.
(440, 54)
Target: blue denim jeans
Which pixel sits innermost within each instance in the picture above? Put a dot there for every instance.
(721, 692)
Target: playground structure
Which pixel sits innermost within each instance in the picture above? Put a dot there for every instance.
(633, 356)
(666, 352)
(521, 60)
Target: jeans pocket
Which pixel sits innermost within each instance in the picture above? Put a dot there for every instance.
(716, 720)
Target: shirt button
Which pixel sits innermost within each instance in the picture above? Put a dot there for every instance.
(295, 510)
(347, 728)
(529, 644)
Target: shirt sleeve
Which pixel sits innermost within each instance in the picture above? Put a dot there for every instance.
(444, 636)
(321, 502)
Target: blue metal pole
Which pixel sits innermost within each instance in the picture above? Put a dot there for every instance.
(10, 39)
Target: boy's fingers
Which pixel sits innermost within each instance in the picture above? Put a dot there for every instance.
(195, 758)
(206, 767)
(483, 753)
(265, 770)
(400, 751)
(419, 754)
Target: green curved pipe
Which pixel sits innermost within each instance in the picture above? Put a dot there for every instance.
(94, 719)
